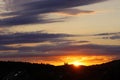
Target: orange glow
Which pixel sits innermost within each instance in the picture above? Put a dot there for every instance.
(76, 64)
(60, 60)
(85, 60)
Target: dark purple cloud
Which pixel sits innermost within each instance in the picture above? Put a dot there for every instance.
(107, 34)
(62, 50)
(31, 37)
(60, 45)
(27, 12)
(112, 36)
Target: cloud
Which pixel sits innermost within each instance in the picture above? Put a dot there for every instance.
(74, 12)
(31, 37)
(83, 41)
(61, 50)
(28, 11)
(107, 34)
(15, 45)
(24, 19)
(112, 36)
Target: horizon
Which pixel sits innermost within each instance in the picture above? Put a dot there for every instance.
(64, 64)
(73, 64)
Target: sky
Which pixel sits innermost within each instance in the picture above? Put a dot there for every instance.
(60, 31)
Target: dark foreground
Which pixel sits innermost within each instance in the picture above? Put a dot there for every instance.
(27, 71)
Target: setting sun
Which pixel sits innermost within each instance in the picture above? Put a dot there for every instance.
(76, 63)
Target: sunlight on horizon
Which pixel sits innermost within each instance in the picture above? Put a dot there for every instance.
(77, 63)
(61, 60)
(72, 60)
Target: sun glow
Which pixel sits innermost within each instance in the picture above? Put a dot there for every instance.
(76, 63)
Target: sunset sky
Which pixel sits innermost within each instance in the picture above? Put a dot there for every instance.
(58, 31)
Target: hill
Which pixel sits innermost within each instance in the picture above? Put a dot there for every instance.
(28, 71)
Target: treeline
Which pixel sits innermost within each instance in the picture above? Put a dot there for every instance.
(28, 71)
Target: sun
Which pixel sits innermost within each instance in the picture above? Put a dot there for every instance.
(76, 63)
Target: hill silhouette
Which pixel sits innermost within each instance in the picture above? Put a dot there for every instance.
(28, 71)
